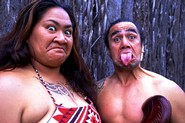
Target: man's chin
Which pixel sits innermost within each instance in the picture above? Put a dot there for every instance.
(130, 66)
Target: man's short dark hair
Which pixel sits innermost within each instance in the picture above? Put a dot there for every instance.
(141, 32)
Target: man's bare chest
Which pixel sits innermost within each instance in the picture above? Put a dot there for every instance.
(120, 106)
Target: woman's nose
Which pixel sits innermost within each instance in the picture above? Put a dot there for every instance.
(61, 37)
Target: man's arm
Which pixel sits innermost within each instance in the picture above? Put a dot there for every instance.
(178, 105)
(176, 96)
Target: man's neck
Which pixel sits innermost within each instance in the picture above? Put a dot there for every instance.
(127, 76)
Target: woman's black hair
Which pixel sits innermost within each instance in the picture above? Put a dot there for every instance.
(14, 51)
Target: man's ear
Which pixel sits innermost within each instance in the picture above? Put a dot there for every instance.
(142, 51)
(143, 47)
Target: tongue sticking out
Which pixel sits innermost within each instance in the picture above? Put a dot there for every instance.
(126, 58)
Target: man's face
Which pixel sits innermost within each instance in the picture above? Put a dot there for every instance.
(125, 45)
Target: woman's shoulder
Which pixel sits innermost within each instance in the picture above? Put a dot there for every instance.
(13, 75)
(8, 77)
(11, 89)
(14, 79)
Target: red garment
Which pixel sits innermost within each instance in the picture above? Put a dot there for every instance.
(85, 114)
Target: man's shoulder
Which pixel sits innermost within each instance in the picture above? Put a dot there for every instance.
(163, 84)
(156, 76)
(100, 84)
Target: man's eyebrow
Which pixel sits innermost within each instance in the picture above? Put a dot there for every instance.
(131, 30)
(115, 32)
(128, 30)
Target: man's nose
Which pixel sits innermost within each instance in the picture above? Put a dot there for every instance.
(125, 42)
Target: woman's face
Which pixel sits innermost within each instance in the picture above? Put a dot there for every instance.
(51, 40)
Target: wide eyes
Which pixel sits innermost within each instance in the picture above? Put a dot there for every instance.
(51, 28)
(129, 37)
(117, 39)
(68, 32)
